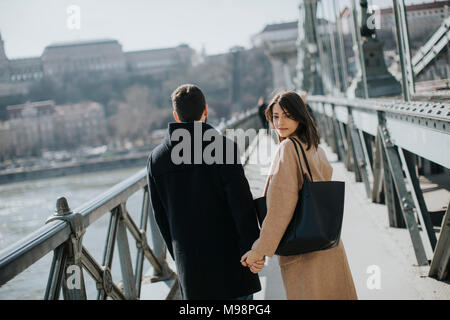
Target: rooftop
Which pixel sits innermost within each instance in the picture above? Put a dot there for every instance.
(281, 26)
(81, 43)
(39, 106)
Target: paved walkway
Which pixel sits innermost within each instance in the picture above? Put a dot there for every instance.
(371, 246)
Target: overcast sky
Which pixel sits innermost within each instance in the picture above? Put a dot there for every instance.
(27, 26)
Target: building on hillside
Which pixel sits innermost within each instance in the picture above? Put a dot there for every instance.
(158, 60)
(25, 69)
(84, 56)
(31, 127)
(104, 56)
(37, 126)
(80, 124)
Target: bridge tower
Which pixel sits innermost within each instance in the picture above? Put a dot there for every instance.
(380, 82)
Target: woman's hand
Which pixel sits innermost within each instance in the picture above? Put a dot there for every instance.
(253, 260)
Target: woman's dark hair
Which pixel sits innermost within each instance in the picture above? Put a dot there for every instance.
(293, 105)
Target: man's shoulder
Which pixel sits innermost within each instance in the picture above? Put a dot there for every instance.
(159, 151)
(157, 155)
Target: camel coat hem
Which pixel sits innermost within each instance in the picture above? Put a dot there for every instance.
(321, 274)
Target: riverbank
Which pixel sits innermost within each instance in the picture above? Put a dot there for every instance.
(66, 169)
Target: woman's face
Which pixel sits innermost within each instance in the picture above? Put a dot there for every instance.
(284, 125)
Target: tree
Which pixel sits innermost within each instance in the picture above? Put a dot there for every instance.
(136, 117)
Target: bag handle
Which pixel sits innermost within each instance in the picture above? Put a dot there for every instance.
(304, 156)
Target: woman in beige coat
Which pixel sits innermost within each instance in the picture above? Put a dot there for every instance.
(321, 274)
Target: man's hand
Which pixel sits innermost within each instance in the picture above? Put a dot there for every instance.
(253, 260)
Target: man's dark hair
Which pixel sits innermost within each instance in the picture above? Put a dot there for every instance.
(189, 102)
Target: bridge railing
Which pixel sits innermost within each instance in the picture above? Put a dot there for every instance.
(382, 141)
(63, 234)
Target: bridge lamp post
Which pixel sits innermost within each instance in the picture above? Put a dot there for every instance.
(376, 80)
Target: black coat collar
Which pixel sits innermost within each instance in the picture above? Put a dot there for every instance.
(189, 126)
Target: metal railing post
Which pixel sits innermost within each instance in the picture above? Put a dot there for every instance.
(55, 277)
(67, 270)
(378, 175)
(125, 258)
(354, 151)
(338, 137)
(140, 250)
(359, 159)
(109, 249)
(409, 168)
(407, 204)
(159, 249)
(367, 155)
(441, 259)
(391, 199)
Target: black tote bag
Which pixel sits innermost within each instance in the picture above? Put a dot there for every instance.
(317, 220)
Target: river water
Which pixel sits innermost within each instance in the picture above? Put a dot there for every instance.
(24, 207)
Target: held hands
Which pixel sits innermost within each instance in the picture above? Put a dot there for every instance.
(253, 260)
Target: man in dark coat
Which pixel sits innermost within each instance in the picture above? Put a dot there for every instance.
(204, 210)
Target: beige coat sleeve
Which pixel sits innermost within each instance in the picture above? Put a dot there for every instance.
(282, 196)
